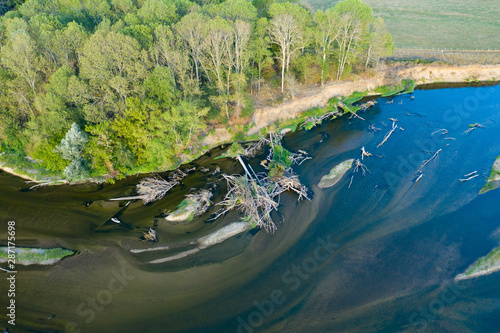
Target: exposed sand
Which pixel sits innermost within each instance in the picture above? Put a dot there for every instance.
(422, 74)
(13, 172)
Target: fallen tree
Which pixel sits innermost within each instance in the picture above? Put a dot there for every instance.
(388, 135)
(154, 188)
(257, 195)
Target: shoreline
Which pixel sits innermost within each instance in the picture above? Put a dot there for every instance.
(390, 75)
(13, 172)
(423, 75)
(488, 271)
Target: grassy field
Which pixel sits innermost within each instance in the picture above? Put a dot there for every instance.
(443, 24)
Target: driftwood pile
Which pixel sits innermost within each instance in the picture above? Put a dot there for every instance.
(154, 188)
(257, 195)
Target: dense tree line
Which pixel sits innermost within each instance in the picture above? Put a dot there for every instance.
(120, 86)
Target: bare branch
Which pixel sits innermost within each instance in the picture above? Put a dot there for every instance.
(430, 159)
(386, 137)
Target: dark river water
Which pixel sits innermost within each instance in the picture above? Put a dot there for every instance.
(378, 256)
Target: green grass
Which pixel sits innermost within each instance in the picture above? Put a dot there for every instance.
(24, 254)
(234, 150)
(444, 24)
(407, 86)
(485, 262)
(355, 97)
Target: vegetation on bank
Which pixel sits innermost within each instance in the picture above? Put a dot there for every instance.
(483, 266)
(493, 181)
(28, 256)
(116, 87)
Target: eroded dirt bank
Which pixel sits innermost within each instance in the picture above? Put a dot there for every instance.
(422, 74)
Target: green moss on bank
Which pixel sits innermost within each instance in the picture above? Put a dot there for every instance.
(489, 262)
(25, 255)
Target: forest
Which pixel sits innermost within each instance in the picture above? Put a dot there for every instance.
(107, 88)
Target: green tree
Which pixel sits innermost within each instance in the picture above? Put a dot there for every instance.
(325, 37)
(379, 43)
(158, 12)
(259, 48)
(355, 18)
(191, 28)
(113, 65)
(287, 32)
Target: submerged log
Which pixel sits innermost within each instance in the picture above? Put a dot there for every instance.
(430, 159)
(136, 197)
(388, 135)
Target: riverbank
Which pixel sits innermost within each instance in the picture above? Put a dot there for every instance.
(15, 173)
(389, 75)
(318, 97)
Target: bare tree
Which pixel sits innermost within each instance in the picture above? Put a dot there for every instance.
(214, 53)
(191, 29)
(288, 34)
(349, 33)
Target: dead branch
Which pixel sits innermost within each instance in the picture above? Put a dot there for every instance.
(346, 108)
(289, 183)
(364, 153)
(300, 157)
(201, 201)
(418, 178)
(373, 128)
(150, 236)
(442, 131)
(154, 188)
(386, 137)
(470, 174)
(357, 167)
(252, 149)
(367, 105)
(252, 199)
(467, 179)
(430, 159)
(472, 128)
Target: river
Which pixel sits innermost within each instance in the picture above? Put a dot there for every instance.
(378, 256)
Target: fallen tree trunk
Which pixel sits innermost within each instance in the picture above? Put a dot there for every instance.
(388, 135)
